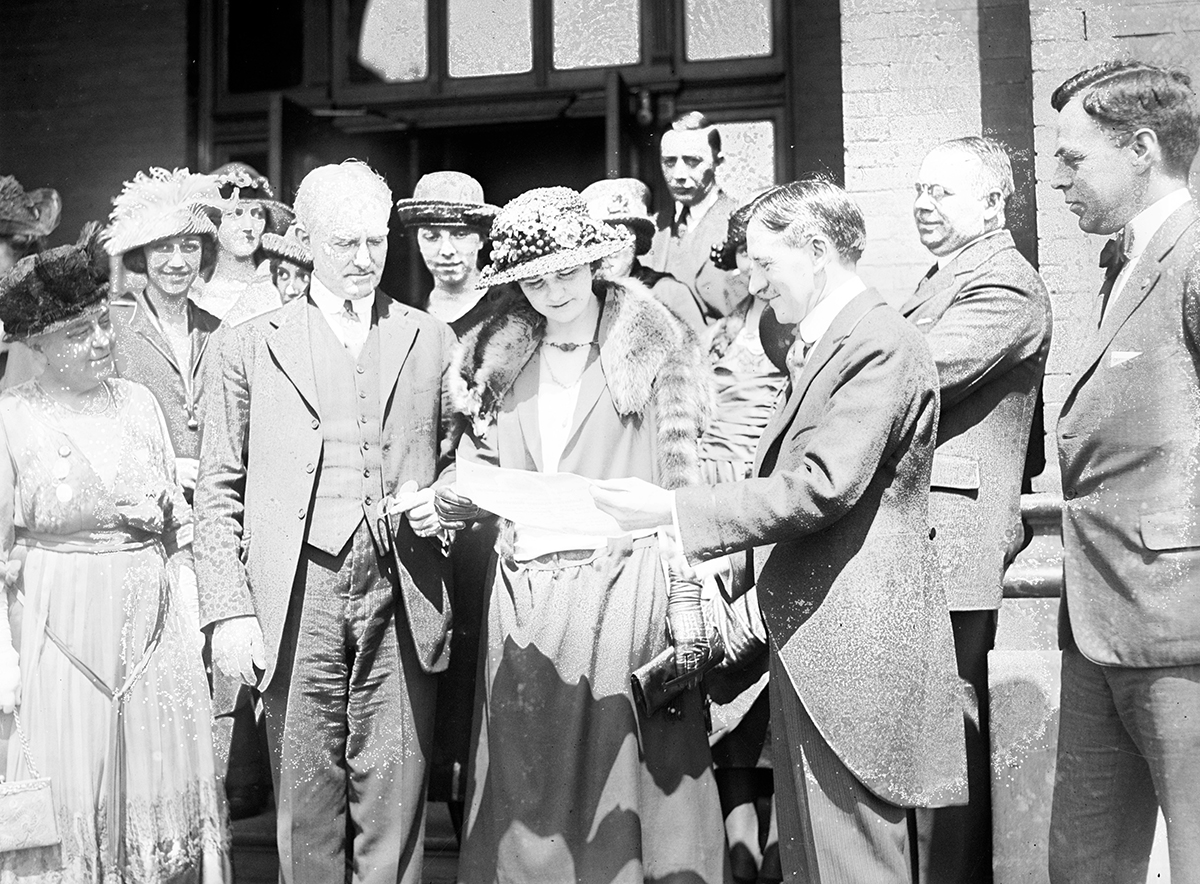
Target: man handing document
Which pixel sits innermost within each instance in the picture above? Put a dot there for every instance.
(865, 700)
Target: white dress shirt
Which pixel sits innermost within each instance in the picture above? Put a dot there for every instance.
(351, 332)
(1138, 233)
(698, 211)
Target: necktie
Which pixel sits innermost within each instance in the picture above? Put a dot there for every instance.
(1113, 259)
(797, 356)
(354, 337)
(681, 223)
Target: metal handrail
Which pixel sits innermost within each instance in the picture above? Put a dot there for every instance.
(1037, 571)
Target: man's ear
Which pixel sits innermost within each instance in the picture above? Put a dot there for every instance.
(993, 204)
(302, 235)
(1147, 151)
(822, 252)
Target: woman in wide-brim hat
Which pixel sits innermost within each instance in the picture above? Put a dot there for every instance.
(161, 229)
(624, 203)
(571, 780)
(450, 222)
(94, 526)
(245, 210)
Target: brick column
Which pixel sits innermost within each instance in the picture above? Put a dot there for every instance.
(910, 75)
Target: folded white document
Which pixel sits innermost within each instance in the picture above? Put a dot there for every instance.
(1116, 357)
(557, 502)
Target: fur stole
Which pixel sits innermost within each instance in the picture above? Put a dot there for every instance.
(651, 361)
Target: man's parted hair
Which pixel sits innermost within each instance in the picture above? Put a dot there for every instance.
(694, 121)
(997, 173)
(815, 205)
(1124, 96)
(325, 188)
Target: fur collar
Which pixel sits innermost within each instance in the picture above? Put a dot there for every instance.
(637, 336)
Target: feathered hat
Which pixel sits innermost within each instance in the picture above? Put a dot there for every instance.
(544, 230)
(241, 181)
(288, 248)
(446, 199)
(159, 205)
(622, 201)
(724, 254)
(27, 213)
(44, 292)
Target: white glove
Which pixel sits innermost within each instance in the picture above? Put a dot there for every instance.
(237, 648)
(10, 677)
(186, 469)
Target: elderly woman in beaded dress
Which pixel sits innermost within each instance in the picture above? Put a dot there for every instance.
(571, 780)
(112, 698)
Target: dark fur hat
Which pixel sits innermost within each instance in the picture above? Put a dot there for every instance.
(44, 292)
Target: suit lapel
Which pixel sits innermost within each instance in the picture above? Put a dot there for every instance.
(397, 334)
(946, 276)
(291, 345)
(144, 326)
(525, 390)
(1138, 287)
(824, 350)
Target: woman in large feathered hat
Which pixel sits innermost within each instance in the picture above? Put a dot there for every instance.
(571, 780)
(108, 679)
(161, 228)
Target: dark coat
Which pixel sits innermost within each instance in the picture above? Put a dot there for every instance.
(841, 488)
(262, 438)
(986, 317)
(143, 354)
(690, 260)
(1129, 448)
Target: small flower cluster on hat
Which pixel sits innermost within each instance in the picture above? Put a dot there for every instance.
(542, 222)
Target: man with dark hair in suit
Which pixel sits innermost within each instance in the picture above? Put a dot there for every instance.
(866, 716)
(985, 313)
(690, 155)
(1129, 447)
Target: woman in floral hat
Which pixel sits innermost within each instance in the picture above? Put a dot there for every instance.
(108, 682)
(572, 781)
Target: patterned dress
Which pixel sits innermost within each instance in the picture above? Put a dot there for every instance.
(133, 779)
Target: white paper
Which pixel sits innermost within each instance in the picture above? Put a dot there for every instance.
(557, 502)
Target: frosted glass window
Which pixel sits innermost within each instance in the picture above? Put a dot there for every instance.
(490, 37)
(596, 33)
(727, 29)
(749, 150)
(393, 43)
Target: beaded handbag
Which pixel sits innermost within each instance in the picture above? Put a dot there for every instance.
(27, 817)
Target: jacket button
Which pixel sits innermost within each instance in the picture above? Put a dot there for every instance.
(300, 514)
(1068, 495)
(366, 474)
(932, 533)
(360, 369)
(308, 468)
(316, 423)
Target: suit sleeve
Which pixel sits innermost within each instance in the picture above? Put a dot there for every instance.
(988, 329)
(823, 472)
(221, 485)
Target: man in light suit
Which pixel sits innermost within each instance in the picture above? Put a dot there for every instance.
(321, 410)
(1129, 447)
(985, 313)
(690, 155)
(865, 705)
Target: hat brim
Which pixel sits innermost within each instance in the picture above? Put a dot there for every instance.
(418, 213)
(46, 215)
(643, 230)
(551, 263)
(276, 246)
(132, 236)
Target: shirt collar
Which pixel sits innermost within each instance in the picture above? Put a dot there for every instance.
(332, 305)
(813, 326)
(946, 259)
(1146, 223)
(698, 211)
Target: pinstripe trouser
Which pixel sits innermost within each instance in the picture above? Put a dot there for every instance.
(832, 829)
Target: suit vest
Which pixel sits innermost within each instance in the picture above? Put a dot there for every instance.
(349, 483)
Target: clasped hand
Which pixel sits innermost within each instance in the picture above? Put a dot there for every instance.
(415, 504)
(238, 649)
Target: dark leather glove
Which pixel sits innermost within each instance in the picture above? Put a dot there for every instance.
(455, 511)
(686, 626)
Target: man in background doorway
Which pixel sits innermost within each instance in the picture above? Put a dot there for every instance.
(690, 154)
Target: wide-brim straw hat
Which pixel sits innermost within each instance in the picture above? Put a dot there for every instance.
(623, 201)
(28, 213)
(161, 204)
(446, 199)
(288, 248)
(241, 181)
(546, 230)
(46, 291)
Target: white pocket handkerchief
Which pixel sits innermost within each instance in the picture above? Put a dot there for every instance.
(926, 320)
(1116, 357)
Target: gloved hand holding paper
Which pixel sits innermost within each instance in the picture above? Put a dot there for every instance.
(549, 501)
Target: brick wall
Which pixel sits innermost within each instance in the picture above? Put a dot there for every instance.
(1066, 39)
(90, 93)
(911, 78)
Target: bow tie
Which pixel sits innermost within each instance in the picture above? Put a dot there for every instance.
(1114, 256)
